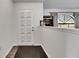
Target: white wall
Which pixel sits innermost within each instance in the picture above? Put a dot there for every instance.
(53, 42)
(72, 43)
(8, 23)
(46, 11)
(60, 42)
(6, 7)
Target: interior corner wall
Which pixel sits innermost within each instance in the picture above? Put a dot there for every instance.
(6, 7)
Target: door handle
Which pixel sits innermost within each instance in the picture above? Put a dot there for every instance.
(32, 28)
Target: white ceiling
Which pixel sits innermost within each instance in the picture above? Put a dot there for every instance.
(27, 0)
(61, 4)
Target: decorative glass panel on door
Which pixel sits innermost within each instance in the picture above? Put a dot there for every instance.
(24, 24)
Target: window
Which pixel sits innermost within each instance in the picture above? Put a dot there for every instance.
(66, 20)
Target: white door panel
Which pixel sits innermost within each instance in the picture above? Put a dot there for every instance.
(25, 25)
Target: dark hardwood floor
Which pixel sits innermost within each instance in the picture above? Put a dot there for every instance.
(30, 52)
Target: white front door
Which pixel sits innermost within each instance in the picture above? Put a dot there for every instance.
(25, 26)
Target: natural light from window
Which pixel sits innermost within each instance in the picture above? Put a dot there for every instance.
(65, 20)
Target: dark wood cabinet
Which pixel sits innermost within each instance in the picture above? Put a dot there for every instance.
(48, 20)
